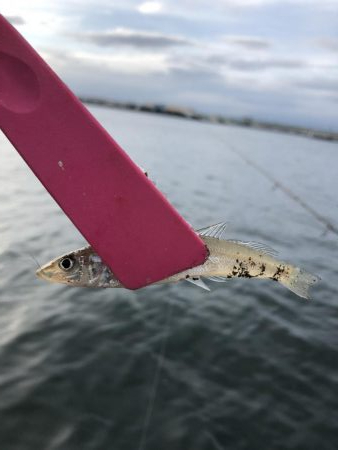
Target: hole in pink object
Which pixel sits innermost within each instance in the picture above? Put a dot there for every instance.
(19, 86)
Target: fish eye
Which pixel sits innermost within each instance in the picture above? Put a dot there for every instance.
(66, 263)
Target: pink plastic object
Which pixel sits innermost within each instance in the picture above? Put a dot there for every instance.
(125, 218)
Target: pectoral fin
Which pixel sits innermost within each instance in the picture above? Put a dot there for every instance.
(199, 282)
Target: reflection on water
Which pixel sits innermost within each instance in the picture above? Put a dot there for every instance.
(246, 366)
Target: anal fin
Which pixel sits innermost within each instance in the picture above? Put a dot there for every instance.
(218, 279)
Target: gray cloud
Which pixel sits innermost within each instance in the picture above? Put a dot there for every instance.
(320, 84)
(131, 38)
(15, 20)
(250, 64)
(222, 59)
(267, 63)
(203, 88)
(248, 42)
(328, 43)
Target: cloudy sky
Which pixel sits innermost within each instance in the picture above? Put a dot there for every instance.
(275, 60)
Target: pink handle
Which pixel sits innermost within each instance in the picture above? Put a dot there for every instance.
(120, 212)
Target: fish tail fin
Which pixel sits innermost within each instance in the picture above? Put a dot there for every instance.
(300, 282)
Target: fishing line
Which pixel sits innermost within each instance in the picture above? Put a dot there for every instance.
(212, 438)
(323, 220)
(156, 379)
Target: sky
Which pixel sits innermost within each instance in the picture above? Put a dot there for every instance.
(270, 60)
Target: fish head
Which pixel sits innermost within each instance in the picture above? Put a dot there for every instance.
(79, 268)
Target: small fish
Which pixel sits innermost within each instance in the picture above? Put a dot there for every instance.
(227, 259)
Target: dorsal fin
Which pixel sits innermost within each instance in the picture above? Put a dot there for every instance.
(262, 248)
(216, 231)
(198, 282)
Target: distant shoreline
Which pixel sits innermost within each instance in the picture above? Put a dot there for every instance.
(193, 115)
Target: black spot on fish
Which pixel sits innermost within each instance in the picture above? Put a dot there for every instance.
(245, 274)
(279, 272)
(187, 276)
(195, 278)
(243, 271)
(262, 267)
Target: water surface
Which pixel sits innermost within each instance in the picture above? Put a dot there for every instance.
(247, 366)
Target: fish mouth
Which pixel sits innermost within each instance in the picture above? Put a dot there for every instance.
(44, 273)
(40, 274)
(49, 273)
